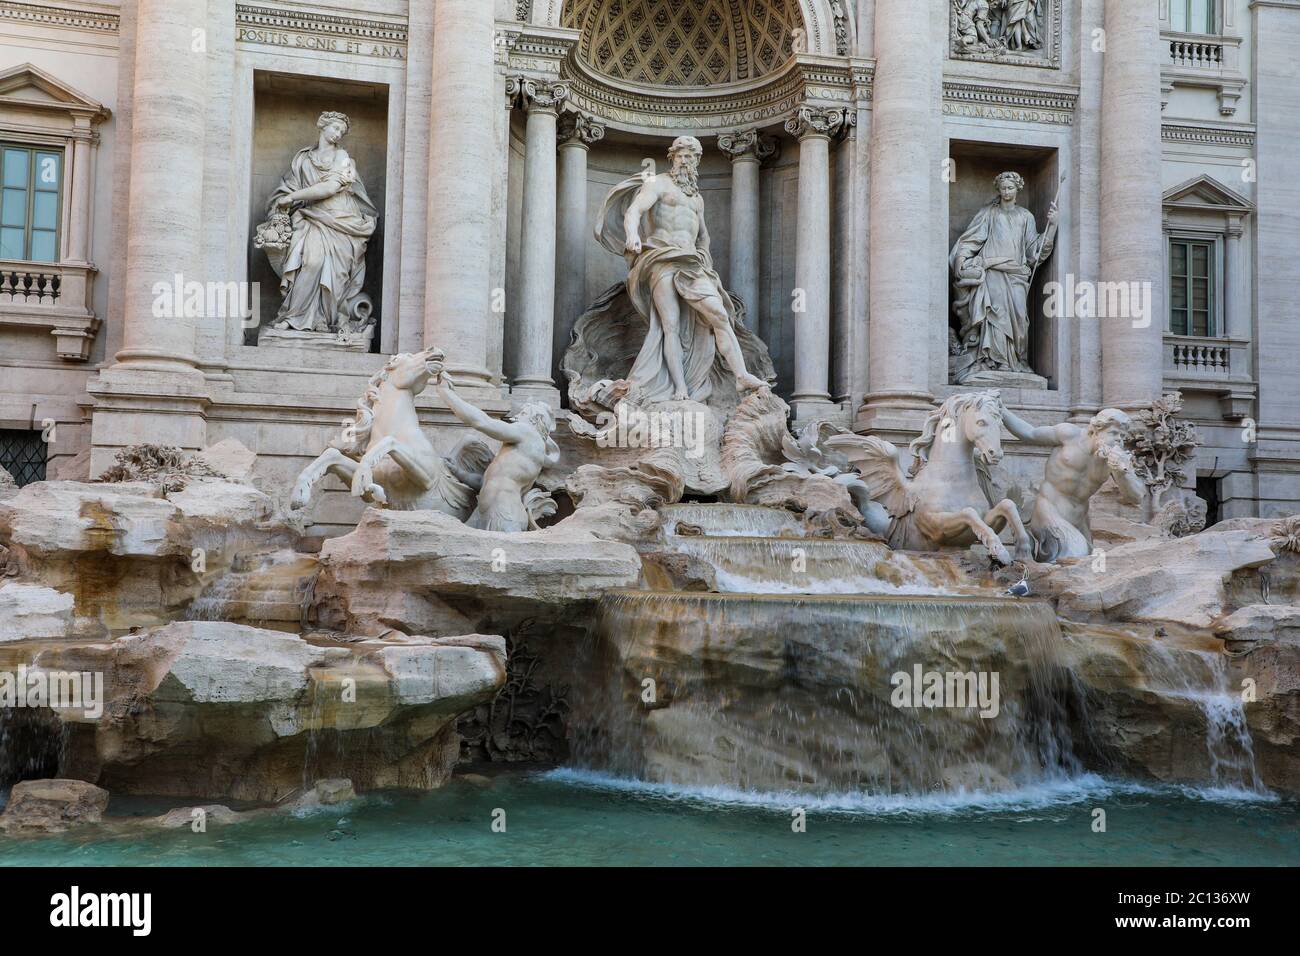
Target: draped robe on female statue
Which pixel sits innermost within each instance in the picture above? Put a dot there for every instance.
(325, 266)
(994, 310)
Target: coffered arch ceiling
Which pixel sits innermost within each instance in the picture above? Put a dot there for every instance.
(683, 43)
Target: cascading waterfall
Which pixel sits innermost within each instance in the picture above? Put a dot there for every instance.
(264, 588)
(767, 565)
(781, 693)
(1200, 677)
(724, 521)
(32, 744)
(785, 681)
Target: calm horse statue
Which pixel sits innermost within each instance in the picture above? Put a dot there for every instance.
(385, 458)
(946, 498)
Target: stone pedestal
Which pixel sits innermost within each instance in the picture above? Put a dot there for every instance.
(330, 341)
(989, 378)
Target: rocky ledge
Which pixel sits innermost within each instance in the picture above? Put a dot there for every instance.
(212, 709)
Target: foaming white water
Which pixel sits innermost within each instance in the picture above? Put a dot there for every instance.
(1038, 796)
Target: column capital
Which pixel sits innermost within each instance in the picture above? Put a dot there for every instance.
(749, 143)
(533, 94)
(823, 121)
(579, 129)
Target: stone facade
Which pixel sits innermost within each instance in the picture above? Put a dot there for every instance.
(837, 180)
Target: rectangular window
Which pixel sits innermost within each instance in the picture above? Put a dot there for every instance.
(1192, 16)
(30, 184)
(22, 454)
(1191, 287)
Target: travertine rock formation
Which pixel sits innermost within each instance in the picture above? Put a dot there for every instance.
(425, 572)
(52, 805)
(213, 709)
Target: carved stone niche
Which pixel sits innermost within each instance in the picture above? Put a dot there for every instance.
(976, 166)
(286, 113)
(1019, 32)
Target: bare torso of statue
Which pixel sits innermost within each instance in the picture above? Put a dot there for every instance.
(666, 243)
(1079, 464)
(675, 217)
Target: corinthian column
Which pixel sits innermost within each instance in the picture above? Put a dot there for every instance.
(577, 132)
(154, 390)
(537, 242)
(903, 167)
(1132, 245)
(812, 270)
(458, 294)
(748, 150)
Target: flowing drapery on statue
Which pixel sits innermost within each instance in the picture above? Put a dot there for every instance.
(993, 263)
(657, 224)
(323, 268)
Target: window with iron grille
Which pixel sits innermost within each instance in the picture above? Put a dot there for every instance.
(22, 454)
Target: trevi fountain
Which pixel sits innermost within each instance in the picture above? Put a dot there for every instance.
(659, 610)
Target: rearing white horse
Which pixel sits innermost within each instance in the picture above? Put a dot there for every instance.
(946, 500)
(385, 457)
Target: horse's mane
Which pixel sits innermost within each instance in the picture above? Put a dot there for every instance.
(365, 419)
(953, 409)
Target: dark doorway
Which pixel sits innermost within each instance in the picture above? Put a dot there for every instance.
(1207, 488)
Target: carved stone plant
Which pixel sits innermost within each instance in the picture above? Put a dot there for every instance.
(1162, 447)
(164, 463)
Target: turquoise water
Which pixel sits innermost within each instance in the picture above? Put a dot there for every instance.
(575, 818)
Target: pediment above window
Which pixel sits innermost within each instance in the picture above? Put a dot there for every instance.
(29, 89)
(1207, 193)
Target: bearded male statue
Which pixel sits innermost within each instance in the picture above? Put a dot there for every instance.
(1079, 464)
(657, 223)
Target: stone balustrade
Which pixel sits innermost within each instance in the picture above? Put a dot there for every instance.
(53, 296)
(1200, 60)
(1198, 53)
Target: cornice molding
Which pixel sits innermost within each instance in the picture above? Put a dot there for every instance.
(1207, 135)
(68, 17)
(807, 80)
(1023, 104)
(252, 16)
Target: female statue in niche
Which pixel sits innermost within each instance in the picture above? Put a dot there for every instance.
(320, 223)
(993, 264)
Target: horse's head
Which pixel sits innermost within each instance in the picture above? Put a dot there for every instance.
(980, 421)
(412, 371)
(974, 418)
